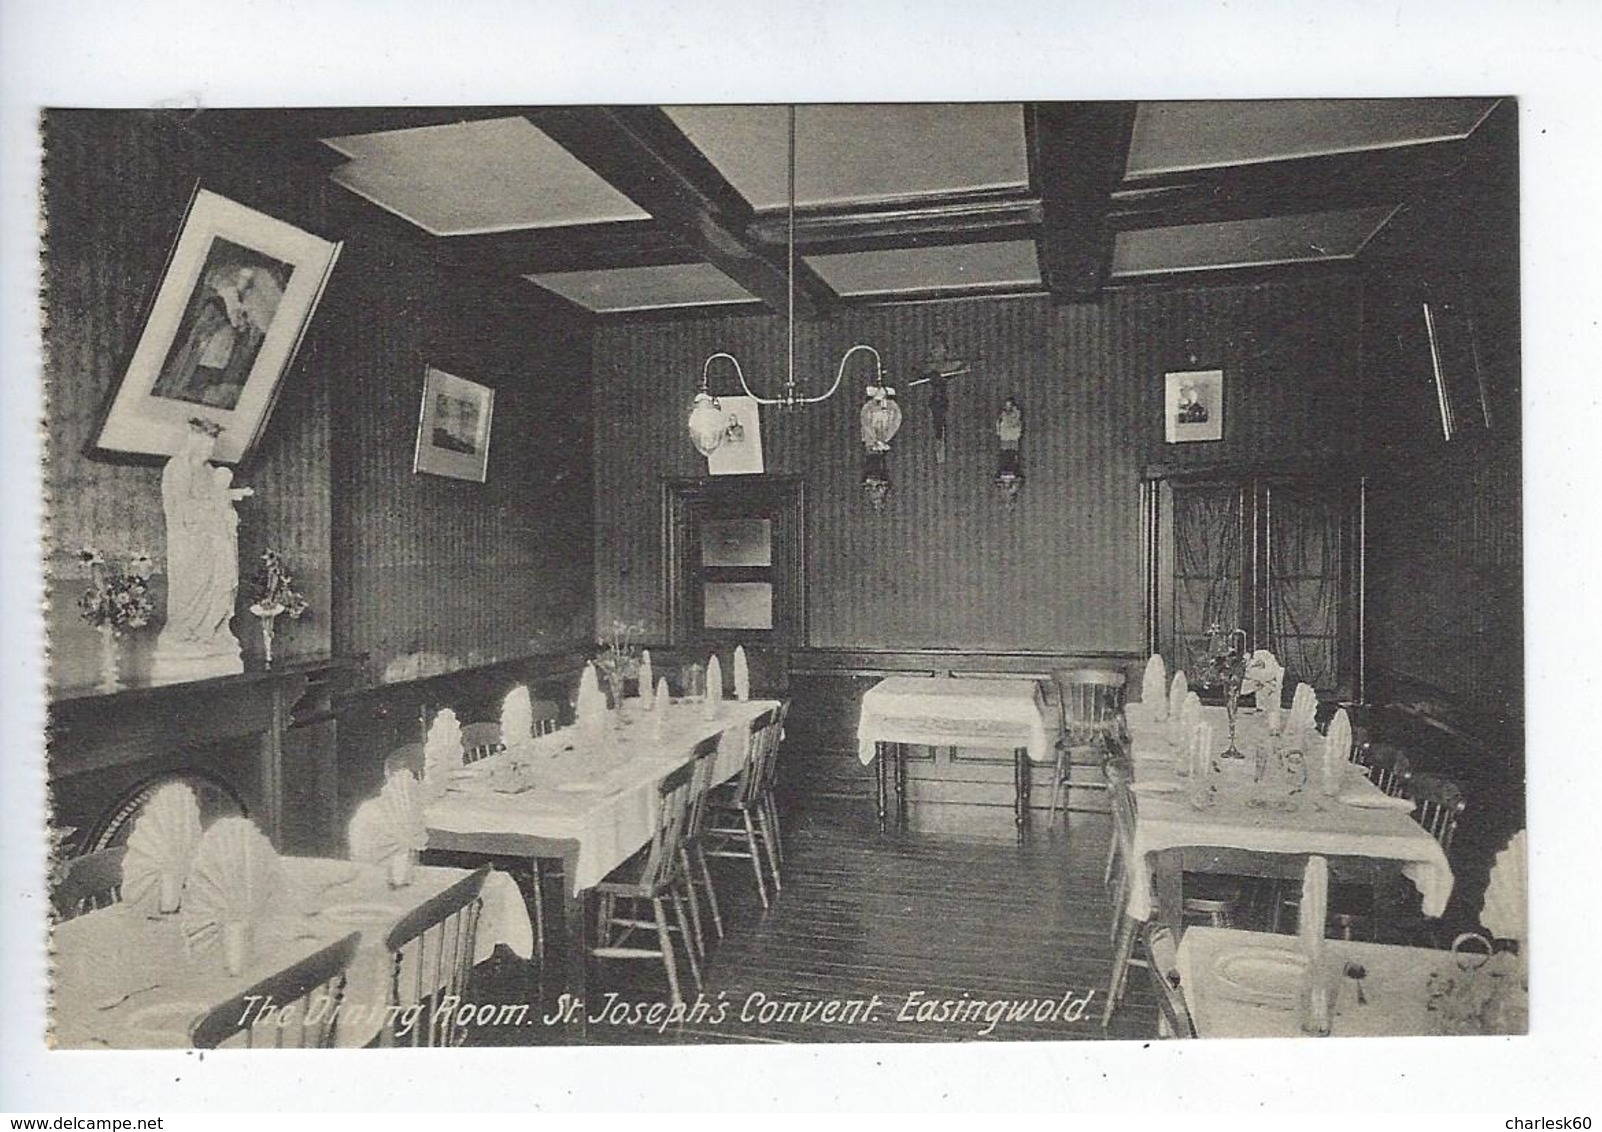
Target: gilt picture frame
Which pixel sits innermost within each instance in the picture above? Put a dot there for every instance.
(1193, 406)
(227, 318)
(453, 427)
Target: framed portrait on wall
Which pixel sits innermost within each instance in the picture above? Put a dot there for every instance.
(453, 427)
(229, 313)
(1193, 406)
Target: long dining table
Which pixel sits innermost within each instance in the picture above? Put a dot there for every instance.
(1232, 824)
(1248, 985)
(586, 796)
(124, 978)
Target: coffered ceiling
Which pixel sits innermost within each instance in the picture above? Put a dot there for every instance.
(623, 209)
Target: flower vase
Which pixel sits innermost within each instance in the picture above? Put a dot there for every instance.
(110, 677)
(267, 620)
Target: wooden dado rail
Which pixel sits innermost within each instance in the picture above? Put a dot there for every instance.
(826, 689)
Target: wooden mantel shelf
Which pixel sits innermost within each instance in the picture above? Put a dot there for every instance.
(92, 728)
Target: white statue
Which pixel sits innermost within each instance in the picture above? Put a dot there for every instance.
(202, 562)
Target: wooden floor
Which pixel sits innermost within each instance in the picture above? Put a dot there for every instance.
(1008, 941)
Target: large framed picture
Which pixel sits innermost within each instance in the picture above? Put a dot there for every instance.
(1193, 407)
(453, 430)
(226, 320)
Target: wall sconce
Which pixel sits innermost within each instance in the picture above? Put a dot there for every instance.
(881, 420)
(1009, 465)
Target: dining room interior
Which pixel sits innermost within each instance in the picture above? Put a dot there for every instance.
(534, 575)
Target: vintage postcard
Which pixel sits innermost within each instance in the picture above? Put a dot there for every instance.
(913, 681)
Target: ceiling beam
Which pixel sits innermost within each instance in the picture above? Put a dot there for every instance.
(1326, 183)
(1078, 152)
(957, 219)
(577, 247)
(642, 154)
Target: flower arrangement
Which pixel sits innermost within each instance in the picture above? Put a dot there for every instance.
(118, 595)
(278, 597)
(619, 658)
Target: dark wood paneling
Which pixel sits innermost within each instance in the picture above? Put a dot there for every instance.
(458, 573)
(946, 564)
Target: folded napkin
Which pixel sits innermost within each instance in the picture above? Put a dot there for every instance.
(1154, 688)
(1304, 708)
(1506, 900)
(647, 679)
(742, 675)
(517, 717)
(1314, 908)
(714, 688)
(442, 752)
(1371, 799)
(1201, 748)
(390, 823)
(236, 879)
(1264, 678)
(161, 849)
(591, 702)
(1337, 747)
(1177, 691)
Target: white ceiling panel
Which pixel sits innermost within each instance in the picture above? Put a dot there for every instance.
(850, 154)
(646, 288)
(1174, 137)
(494, 175)
(947, 268)
(1247, 243)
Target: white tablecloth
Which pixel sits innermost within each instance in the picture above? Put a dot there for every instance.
(937, 711)
(1243, 815)
(596, 788)
(1226, 1001)
(111, 952)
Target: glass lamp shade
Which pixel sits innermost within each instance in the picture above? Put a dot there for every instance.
(707, 424)
(881, 420)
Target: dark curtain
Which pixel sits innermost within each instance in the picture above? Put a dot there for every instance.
(1207, 569)
(1304, 570)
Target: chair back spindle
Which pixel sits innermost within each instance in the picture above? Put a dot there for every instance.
(1438, 804)
(431, 954)
(92, 881)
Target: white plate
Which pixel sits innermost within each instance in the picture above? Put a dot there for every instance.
(359, 912)
(1364, 800)
(1261, 973)
(1158, 787)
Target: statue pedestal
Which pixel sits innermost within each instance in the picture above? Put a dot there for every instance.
(176, 660)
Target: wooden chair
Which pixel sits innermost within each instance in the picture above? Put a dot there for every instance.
(1386, 766)
(304, 1004)
(743, 820)
(431, 956)
(480, 741)
(1092, 714)
(408, 756)
(697, 875)
(92, 881)
(1438, 804)
(653, 876)
(1163, 962)
(546, 713)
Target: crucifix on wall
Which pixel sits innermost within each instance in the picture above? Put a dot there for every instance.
(937, 372)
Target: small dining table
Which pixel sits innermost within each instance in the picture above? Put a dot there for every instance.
(124, 978)
(1240, 984)
(1231, 823)
(952, 711)
(586, 796)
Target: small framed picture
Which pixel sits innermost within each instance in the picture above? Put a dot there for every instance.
(1194, 406)
(453, 429)
(740, 454)
(230, 311)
